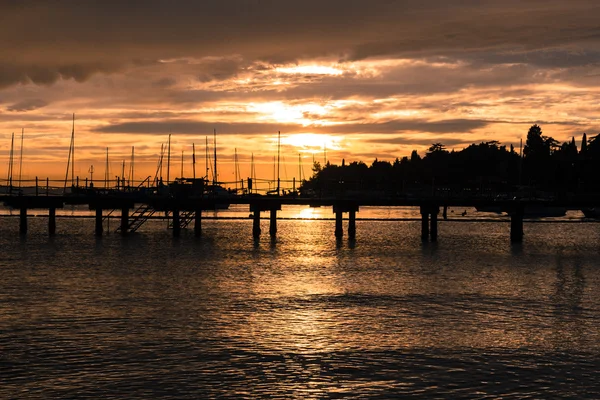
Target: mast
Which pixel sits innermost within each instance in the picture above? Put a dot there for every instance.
(194, 160)
(300, 167)
(21, 156)
(131, 178)
(252, 173)
(181, 164)
(206, 156)
(278, 159)
(161, 159)
(235, 168)
(73, 152)
(216, 177)
(168, 158)
(123, 174)
(106, 172)
(10, 162)
(71, 158)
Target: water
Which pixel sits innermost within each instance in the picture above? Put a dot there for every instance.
(305, 316)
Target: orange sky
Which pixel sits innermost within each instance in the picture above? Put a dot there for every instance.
(363, 79)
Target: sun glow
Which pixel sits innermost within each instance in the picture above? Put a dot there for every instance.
(310, 70)
(305, 114)
(312, 142)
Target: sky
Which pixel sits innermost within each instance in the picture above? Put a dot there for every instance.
(352, 79)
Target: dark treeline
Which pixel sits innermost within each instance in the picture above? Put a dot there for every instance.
(489, 167)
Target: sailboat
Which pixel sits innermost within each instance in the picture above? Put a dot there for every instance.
(215, 191)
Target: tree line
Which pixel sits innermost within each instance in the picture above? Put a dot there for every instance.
(544, 164)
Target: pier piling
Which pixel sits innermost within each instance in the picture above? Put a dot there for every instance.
(352, 224)
(23, 221)
(99, 228)
(516, 225)
(434, 223)
(424, 223)
(339, 231)
(51, 221)
(176, 223)
(256, 224)
(273, 222)
(124, 221)
(198, 222)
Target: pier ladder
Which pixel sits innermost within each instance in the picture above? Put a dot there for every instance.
(138, 217)
(185, 218)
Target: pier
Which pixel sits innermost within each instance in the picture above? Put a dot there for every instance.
(184, 201)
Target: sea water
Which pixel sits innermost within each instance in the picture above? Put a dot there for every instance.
(303, 315)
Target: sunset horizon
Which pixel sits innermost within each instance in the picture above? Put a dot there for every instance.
(395, 84)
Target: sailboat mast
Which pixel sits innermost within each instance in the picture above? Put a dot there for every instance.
(71, 158)
(106, 173)
(181, 164)
(252, 171)
(278, 159)
(123, 173)
(235, 176)
(216, 177)
(131, 166)
(21, 156)
(169, 158)
(206, 156)
(10, 160)
(194, 160)
(73, 152)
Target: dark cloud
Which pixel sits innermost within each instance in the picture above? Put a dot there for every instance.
(195, 128)
(27, 105)
(74, 39)
(203, 128)
(416, 125)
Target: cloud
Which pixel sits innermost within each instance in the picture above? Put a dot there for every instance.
(74, 40)
(204, 128)
(27, 105)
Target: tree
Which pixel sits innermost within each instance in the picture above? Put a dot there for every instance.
(535, 145)
(583, 150)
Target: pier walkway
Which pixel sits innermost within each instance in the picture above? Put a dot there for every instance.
(184, 205)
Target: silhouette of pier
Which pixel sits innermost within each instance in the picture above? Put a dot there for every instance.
(184, 200)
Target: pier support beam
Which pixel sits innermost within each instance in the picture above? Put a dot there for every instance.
(516, 225)
(98, 228)
(51, 221)
(434, 223)
(23, 221)
(273, 222)
(124, 221)
(256, 224)
(176, 223)
(198, 223)
(339, 231)
(424, 223)
(352, 225)
(339, 208)
(256, 208)
(445, 213)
